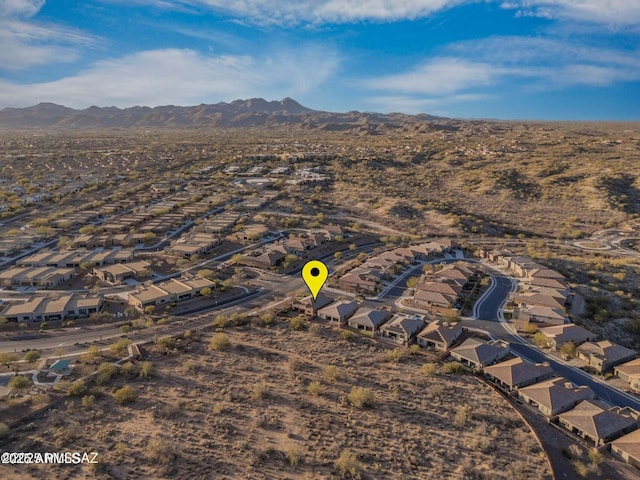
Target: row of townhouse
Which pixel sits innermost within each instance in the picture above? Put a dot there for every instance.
(298, 244)
(543, 294)
(45, 309)
(602, 356)
(43, 277)
(193, 244)
(442, 289)
(164, 293)
(575, 408)
(400, 328)
(368, 277)
(75, 258)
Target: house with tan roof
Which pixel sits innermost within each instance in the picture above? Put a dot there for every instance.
(604, 355)
(533, 299)
(45, 309)
(361, 280)
(402, 328)
(119, 272)
(369, 320)
(174, 290)
(308, 306)
(627, 448)
(630, 373)
(551, 316)
(557, 283)
(554, 396)
(339, 311)
(517, 373)
(477, 353)
(429, 299)
(597, 422)
(558, 335)
(439, 335)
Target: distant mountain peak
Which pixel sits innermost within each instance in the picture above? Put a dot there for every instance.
(252, 112)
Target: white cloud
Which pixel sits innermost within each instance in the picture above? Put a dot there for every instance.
(439, 76)
(173, 76)
(25, 42)
(415, 104)
(613, 12)
(291, 12)
(478, 67)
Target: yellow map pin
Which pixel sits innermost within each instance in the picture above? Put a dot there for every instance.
(314, 274)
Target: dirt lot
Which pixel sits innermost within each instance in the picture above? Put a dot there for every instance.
(247, 412)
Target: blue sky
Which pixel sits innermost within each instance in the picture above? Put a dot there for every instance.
(509, 59)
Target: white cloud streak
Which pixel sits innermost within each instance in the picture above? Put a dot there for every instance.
(288, 12)
(25, 42)
(182, 77)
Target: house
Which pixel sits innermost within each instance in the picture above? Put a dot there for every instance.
(628, 448)
(430, 298)
(556, 283)
(558, 335)
(308, 306)
(45, 309)
(554, 396)
(119, 272)
(44, 277)
(597, 422)
(517, 373)
(552, 316)
(361, 280)
(476, 353)
(630, 373)
(369, 320)
(534, 299)
(402, 328)
(604, 355)
(339, 311)
(439, 335)
(173, 290)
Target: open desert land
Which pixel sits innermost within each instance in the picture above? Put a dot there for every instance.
(277, 403)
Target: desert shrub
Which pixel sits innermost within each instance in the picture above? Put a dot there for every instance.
(40, 399)
(360, 397)
(159, 452)
(93, 352)
(218, 408)
(88, 401)
(348, 465)
(106, 371)
(396, 355)
(259, 391)
(128, 368)
(569, 349)
(146, 369)
(220, 321)
(120, 346)
(428, 369)
(595, 457)
(414, 349)
(346, 335)
(19, 382)
(297, 323)
(125, 395)
(266, 319)
(165, 344)
(331, 373)
(4, 430)
(580, 468)
(541, 340)
(462, 416)
(530, 328)
(454, 368)
(32, 356)
(315, 330)
(76, 389)
(125, 328)
(294, 455)
(219, 342)
(315, 388)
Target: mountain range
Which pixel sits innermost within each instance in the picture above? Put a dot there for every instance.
(255, 112)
